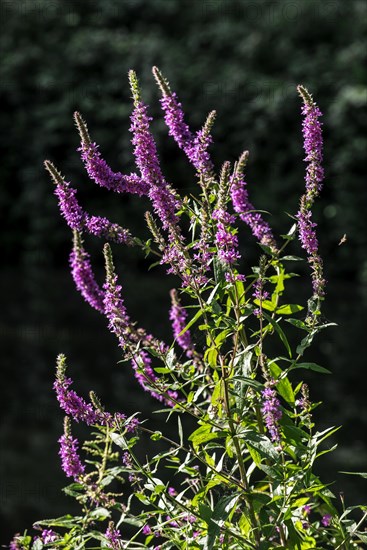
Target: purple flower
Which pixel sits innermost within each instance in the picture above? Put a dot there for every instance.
(73, 404)
(14, 544)
(75, 216)
(195, 146)
(83, 275)
(71, 463)
(98, 169)
(246, 211)
(103, 228)
(326, 520)
(142, 365)
(178, 316)
(113, 537)
(313, 144)
(312, 136)
(306, 509)
(172, 491)
(164, 200)
(271, 412)
(147, 530)
(48, 535)
(174, 119)
(226, 241)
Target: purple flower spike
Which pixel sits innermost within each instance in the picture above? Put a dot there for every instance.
(113, 536)
(98, 169)
(71, 463)
(163, 199)
(225, 240)
(178, 316)
(271, 412)
(83, 275)
(194, 146)
(75, 216)
(312, 136)
(69, 400)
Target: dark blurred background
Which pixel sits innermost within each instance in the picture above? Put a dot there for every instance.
(243, 58)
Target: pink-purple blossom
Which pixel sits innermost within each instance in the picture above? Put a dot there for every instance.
(83, 275)
(246, 211)
(225, 238)
(113, 537)
(178, 317)
(70, 460)
(271, 412)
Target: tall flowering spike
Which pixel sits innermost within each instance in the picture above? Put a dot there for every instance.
(178, 316)
(194, 146)
(69, 400)
(271, 412)
(164, 200)
(153, 228)
(118, 320)
(313, 144)
(98, 169)
(245, 209)
(75, 216)
(312, 135)
(70, 460)
(69, 206)
(83, 275)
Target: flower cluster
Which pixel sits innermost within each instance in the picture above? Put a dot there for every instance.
(313, 144)
(271, 412)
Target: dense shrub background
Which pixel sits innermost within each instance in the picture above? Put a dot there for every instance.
(244, 58)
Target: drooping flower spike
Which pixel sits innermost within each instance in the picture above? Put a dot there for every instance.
(77, 218)
(77, 408)
(195, 146)
(245, 209)
(98, 169)
(83, 275)
(312, 135)
(131, 339)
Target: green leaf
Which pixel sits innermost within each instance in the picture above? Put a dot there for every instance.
(360, 474)
(280, 332)
(288, 309)
(310, 366)
(284, 387)
(191, 322)
(262, 444)
(298, 323)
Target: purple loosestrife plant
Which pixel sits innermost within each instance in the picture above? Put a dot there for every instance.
(240, 473)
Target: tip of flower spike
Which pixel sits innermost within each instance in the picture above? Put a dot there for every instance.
(61, 366)
(82, 128)
(110, 268)
(161, 81)
(242, 162)
(54, 173)
(95, 401)
(305, 95)
(134, 86)
(209, 123)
